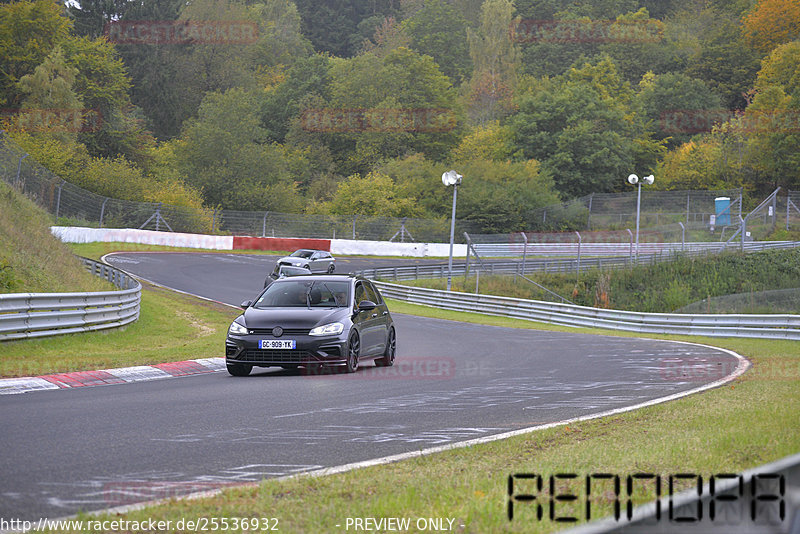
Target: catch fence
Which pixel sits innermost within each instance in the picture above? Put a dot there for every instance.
(666, 216)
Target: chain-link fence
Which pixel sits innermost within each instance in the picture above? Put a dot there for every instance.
(617, 211)
(73, 205)
(772, 301)
(665, 216)
(274, 224)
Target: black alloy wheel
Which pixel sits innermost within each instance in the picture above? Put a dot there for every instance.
(353, 352)
(388, 354)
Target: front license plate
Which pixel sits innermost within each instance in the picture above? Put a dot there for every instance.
(277, 344)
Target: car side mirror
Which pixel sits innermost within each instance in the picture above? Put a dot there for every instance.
(366, 305)
(246, 304)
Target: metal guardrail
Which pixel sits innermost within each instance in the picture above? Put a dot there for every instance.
(554, 265)
(724, 325)
(606, 249)
(32, 315)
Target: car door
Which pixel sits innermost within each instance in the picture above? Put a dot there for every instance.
(380, 316)
(367, 320)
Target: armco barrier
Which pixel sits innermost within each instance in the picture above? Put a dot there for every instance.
(30, 315)
(69, 234)
(755, 326)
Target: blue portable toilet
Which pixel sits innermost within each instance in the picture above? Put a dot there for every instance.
(722, 206)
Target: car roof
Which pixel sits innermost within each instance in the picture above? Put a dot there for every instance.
(320, 277)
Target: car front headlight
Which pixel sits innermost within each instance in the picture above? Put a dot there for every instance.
(237, 329)
(330, 329)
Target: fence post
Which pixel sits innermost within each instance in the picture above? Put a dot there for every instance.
(103, 211)
(524, 250)
(264, 225)
(683, 237)
(58, 198)
(19, 170)
(578, 266)
(466, 268)
(688, 197)
(354, 226)
(630, 250)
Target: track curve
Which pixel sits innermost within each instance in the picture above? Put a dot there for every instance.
(95, 448)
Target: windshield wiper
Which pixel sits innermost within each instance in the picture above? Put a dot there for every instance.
(308, 295)
(334, 296)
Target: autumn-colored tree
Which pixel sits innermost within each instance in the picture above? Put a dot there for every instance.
(772, 23)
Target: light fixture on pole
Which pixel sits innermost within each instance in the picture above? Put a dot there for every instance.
(451, 178)
(634, 180)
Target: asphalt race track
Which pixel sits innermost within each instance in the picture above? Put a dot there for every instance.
(99, 447)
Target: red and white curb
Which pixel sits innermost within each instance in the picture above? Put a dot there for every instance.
(105, 377)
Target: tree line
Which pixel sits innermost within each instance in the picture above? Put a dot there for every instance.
(358, 106)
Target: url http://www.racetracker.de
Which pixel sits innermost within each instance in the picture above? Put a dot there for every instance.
(200, 524)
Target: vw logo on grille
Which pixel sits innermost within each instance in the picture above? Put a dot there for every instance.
(277, 331)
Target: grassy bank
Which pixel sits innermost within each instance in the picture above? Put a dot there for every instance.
(31, 259)
(739, 426)
(662, 287)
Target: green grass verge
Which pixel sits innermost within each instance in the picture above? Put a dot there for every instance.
(729, 429)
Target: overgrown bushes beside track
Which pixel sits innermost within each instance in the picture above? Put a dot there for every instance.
(662, 287)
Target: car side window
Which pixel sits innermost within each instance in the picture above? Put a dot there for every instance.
(361, 294)
(372, 293)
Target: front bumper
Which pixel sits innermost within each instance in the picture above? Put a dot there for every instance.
(310, 350)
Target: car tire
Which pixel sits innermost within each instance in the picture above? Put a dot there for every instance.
(389, 353)
(353, 353)
(331, 268)
(239, 369)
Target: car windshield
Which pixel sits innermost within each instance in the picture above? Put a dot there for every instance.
(302, 253)
(304, 294)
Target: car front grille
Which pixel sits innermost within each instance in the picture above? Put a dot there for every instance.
(276, 356)
(286, 331)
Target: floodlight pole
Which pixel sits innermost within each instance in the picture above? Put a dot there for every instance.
(451, 178)
(452, 237)
(638, 210)
(634, 180)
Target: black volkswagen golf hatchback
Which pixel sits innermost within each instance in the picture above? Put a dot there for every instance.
(312, 321)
